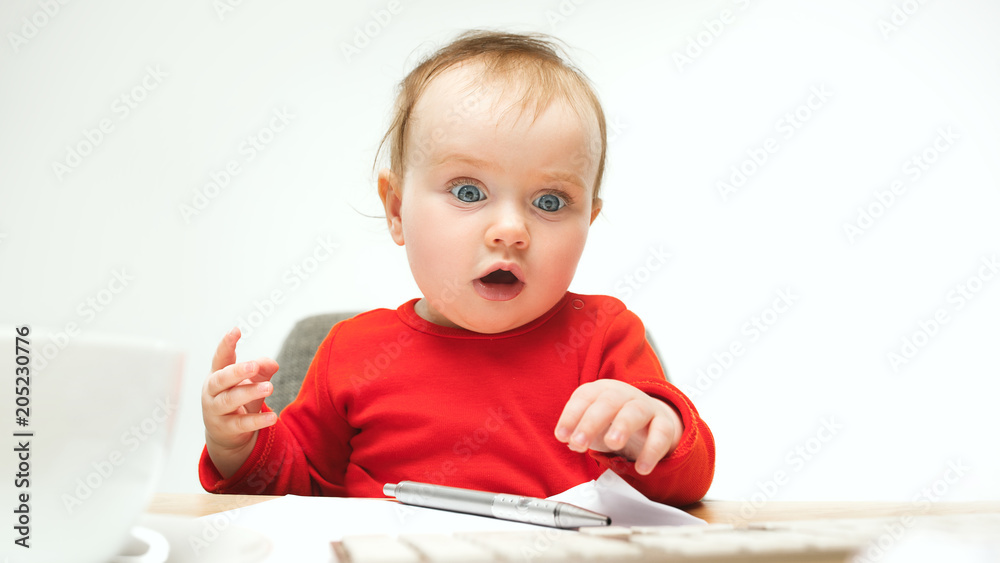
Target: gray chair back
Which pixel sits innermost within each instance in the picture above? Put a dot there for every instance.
(296, 354)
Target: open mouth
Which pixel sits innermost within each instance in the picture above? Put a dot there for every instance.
(499, 276)
(498, 285)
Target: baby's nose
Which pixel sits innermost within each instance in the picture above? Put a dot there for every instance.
(508, 229)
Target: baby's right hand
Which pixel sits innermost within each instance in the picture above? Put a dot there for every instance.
(230, 404)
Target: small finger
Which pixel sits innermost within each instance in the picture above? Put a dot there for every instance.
(266, 367)
(578, 403)
(593, 424)
(658, 442)
(232, 399)
(241, 423)
(230, 376)
(225, 353)
(631, 418)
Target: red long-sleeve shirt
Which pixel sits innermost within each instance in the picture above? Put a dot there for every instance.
(391, 397)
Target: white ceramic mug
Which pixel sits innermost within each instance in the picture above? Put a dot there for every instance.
(101, 408)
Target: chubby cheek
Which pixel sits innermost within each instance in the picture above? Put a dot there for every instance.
(433, 248)
(562, 256)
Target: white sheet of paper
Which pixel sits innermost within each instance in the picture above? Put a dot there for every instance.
(301, 528)
(612, 496)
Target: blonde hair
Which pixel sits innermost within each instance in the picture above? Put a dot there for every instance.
(530, 63)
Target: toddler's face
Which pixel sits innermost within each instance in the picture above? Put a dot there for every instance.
(494, 213)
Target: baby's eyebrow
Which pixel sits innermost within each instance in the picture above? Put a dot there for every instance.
(467, 159)
(566, 177)
(561, 176)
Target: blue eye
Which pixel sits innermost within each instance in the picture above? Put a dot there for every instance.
(468, 193)
(549, 202)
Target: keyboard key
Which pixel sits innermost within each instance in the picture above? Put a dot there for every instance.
(378, 549)
(768, 542)
(594, 548)
(447, 549)
(523, 546)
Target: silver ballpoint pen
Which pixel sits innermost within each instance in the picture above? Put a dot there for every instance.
(497, 505)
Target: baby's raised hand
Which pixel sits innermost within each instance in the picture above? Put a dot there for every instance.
(608, 415)
(231, 400)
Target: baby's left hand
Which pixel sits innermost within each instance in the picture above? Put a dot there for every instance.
(608, 415)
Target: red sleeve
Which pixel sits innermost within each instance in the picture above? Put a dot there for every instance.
(683, 477)
(287, 458)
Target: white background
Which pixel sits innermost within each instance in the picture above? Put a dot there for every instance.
(678, 127)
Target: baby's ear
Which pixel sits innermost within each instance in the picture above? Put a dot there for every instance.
(391, 194)
(595, 209)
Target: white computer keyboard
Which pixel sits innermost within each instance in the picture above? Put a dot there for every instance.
(859, 539)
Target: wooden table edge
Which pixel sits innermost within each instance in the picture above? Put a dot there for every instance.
(712, 511)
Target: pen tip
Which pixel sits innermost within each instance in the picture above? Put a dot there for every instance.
(389, 490)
